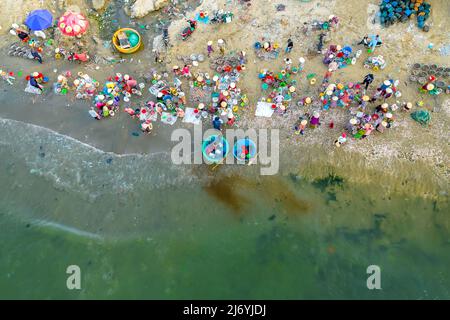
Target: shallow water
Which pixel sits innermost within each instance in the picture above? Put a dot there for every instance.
(140, 227)
(236, 237)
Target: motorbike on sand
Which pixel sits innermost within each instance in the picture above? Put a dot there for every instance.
(71, 56)
(188, 31)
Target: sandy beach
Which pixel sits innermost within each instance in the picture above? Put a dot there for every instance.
(408, 145)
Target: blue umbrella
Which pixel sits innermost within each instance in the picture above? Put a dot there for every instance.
(39, 20)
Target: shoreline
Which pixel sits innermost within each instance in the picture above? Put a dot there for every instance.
(427, 152)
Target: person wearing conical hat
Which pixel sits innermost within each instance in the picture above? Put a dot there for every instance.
(300, 126)
(382, 108)
(315, 120)
(34, 80)
(147, 126)
(351, 125)
(230, 117)
(368, 128)
(382, 126)
(386, 84)
(221, 44)
(407, 106)
(341, 140)
(389, 118)
(388, 93)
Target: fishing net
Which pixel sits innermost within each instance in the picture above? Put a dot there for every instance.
(421, 116)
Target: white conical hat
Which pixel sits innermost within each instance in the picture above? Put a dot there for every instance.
(353, 121)
(384, 106)
(389, 115)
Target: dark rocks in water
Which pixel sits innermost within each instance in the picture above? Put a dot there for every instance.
(41, 153)
(295, 177)
(272, 217)
(330, 181)
(331, 196)
(109, 160)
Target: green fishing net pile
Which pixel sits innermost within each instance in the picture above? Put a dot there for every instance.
(421, 116)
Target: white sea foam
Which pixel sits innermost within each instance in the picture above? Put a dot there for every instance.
(66, 228)
(80, 167)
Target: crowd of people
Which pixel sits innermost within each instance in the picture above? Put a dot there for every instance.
(217, 97)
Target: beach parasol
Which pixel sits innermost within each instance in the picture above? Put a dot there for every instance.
(73, 24)
(39, 19)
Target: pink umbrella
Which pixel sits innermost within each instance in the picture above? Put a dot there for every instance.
(73, 24)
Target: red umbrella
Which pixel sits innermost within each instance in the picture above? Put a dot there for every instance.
(73, 24)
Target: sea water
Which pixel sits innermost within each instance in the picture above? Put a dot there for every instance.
(140, 228)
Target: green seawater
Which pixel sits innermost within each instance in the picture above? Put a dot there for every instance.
(284, 238)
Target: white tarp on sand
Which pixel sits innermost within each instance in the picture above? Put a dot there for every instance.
(264, 109)
(190, 116)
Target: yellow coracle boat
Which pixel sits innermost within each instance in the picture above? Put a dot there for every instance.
(127, 40)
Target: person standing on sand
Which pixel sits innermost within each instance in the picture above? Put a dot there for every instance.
(242, 57)
(157, 55)
(94, 114)
(289, 46)
(221, 44)
(36, 55)
(368, 79)
(186, 71)
(217, 122)
(22, 34)
(34, 81)
(288, 63)
(210, 48)
(365, 40)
